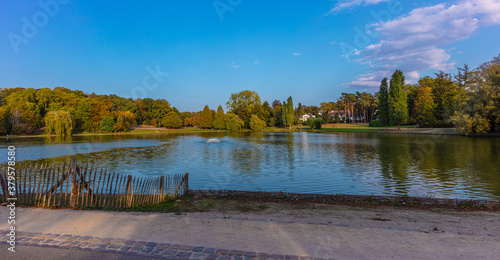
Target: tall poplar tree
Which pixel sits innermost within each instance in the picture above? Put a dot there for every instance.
(288, 113)
(398, 106)
(206, 120)
(383, 102)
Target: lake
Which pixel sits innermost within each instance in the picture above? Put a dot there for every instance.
(332, 163)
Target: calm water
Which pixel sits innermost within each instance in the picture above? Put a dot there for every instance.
(351, 163)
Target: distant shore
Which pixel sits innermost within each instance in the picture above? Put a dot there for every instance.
(327, 128)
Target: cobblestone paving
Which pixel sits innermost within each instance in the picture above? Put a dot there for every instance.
(141, 248)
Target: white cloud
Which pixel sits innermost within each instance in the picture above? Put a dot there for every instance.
(297, 54)
(417, 41)
(233, 65)
(332, 42)
(413, 74)
(256, 62)
(350, 4)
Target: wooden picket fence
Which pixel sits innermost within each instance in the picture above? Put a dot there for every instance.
(78, 185)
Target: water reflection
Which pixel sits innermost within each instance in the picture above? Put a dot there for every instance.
(352, 163)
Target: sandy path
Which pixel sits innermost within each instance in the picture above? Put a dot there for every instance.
(202, 229)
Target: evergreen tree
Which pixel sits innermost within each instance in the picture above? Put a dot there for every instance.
(219, 120)
(206, 120)
(383, 103)
(398, 106)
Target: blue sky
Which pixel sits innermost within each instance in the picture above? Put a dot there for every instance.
(205, 50)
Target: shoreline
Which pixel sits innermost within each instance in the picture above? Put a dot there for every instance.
(343, 129)
(413, 202)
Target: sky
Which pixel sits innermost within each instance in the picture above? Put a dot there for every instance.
(196, 53)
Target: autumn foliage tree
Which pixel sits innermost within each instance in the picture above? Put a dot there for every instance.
(206, 119)
(424, 106)
(124, 120)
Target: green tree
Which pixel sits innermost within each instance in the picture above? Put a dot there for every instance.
(172, 120)
(318, 122)
(288, 113)
(83, 115)
(58, 122)
(220, 120)
(383, 103)
(44, 96)
(310, 123)
(159, 109)
(4, 121)
(272, 122)
(176, 111)
(398, 106)
(267, 112)
(481, 112)
(314, 123)
(233, 122)
(206, 120)
(446, 94)
(247, 99)
(256, 124)
(107, 124)
(244, 104)
(277, 116)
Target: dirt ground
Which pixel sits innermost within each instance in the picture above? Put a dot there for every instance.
(430, 219)
(317, 230)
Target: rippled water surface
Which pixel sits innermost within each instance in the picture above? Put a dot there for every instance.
(351, 163)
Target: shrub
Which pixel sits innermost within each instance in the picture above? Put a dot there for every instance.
(107, 124)
(314, 123)
(375, 123)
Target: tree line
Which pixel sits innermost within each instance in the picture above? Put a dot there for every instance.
(470, 100)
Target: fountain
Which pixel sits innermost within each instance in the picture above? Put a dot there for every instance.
(213, 140)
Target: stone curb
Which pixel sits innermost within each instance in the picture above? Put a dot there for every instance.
(141, 248)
